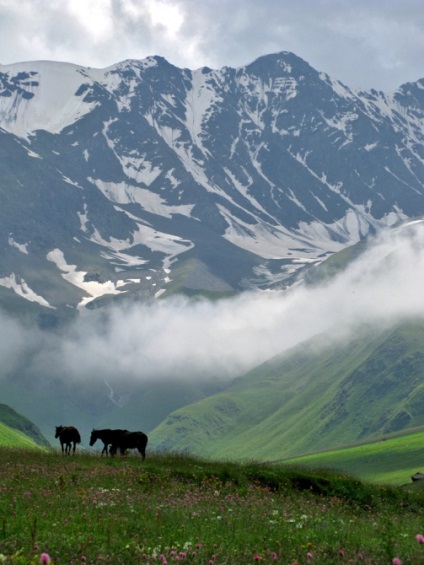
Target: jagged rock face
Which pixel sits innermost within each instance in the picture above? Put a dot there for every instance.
(123, 181)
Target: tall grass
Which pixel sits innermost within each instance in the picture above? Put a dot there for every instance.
(88, 509)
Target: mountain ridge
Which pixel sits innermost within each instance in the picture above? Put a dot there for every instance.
(273, 165)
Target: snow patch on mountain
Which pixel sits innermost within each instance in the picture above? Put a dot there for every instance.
(22, 247)
(275, 242)
(93, 289)
(21, 288)
(124, 193)
(170, 245)
(199, 104)
(46, 101)
(119, 251)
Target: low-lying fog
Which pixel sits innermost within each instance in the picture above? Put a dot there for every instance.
(180, 337)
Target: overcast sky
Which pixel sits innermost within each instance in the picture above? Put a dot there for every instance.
(363, 43)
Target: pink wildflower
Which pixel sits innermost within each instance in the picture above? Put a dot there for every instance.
(419, 538)
(309, 555)
(396, 561)
(45, 559)
(341, 552)
(257, 558)
(274, 556)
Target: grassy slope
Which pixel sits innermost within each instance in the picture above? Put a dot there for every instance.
(311, 399)
(392, 459)
(14, 438)
(18, 423)
(97, 510)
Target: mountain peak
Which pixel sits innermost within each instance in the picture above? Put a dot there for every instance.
(254, 173)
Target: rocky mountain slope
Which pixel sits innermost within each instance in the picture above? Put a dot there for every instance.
(142, 178)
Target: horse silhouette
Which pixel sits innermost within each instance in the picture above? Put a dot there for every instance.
(108, 437)
(68, 436)
(130, 440)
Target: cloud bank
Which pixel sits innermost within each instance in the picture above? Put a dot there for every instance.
(364, 44)
(181, 338)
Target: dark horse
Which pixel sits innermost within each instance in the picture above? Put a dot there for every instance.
(108, 437)
(130, 440)
(68, 435)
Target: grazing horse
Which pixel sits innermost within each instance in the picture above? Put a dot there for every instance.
(68, 435)
(130, 440)
(108, 437)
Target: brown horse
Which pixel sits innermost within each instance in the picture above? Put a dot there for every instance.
(68, 436)
(130, 440)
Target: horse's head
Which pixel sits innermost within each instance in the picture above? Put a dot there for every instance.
(58, 431)
(93, 438)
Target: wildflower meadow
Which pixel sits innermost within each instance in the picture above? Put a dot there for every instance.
(173, 508)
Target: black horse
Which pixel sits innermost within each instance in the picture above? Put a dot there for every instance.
(108, 437)
(130, 440)
(68, 436)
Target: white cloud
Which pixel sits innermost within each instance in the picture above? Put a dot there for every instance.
(177, 337)
(364, 44)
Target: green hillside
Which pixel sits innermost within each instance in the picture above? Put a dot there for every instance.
(392, 459)
(318, 396)
(13, 438)
(18, 430)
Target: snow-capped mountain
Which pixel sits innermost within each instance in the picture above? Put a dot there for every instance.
(145, 178)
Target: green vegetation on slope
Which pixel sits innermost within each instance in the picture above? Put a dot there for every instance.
(11, 419)
(13, 438)
(392, 459)
(170, 507)
(318, 396)
(335, 264)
